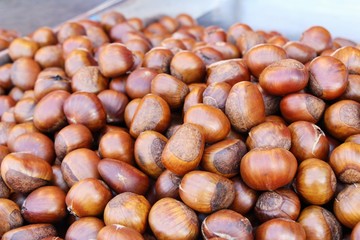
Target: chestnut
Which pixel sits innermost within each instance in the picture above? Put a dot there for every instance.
(299, 51)
(248, 40)
(352, 91)
(6, 102)
(58, 178)
(128, 209)
(342, 120)
(245, 197)
(24, 72)
(230, 71)
(22, 47)
(354, 138)
(117, 231)
(50, 56)
(269, 134)
(184, 150)
(152, 113)
(4, 189)
(280, 228)
(44, 36)
(85, 108)
(175, 45)
(138, 84)
(76, 42)
(224, 157)
(89, 79)
(84, 228)
(49, 80)
(347, 206)
(167, 185)
(31, 232)
(72, 137)
(177, 214)
(187, 67)
(317, 37)
(218, 194)
(355, 234)
(130, 110)
(315, 181)
(117, 145)
(114, 104)
(301, 107)
(328, 77)
(24, 109)
(308, 141)
(268, 168)
(115, 59)
(5, 128)
(240, 106)
(119, 84)
(77, 59)
(35, 143)
(227, 50)
(320, 223)
(226, 224)
(236, 30)
(158, 58)
(148, 148)
(344, 161)
(122, 177)
(263, 55)
(5, 76)
(194, 97)
(18, 130)
(70, 29)
(216, 94)
(350, 56)
(44, 205)
(50, 121)
(80, 164)
(87, 198)
(208, 54)
(10, 216)
(111, 18)
(97, 36)
(24, 172)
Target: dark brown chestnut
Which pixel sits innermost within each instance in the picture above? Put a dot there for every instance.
(58, 178)
(138, 84)
(299, 51)
(280, 228)
(76, 230)
(187, 67)
(245, 197)
(167, 185)
(158, 58)
(317, 37)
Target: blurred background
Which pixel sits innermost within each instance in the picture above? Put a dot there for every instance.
(291, 18)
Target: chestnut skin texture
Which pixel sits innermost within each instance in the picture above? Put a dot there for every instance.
(76, 230)
(10, 216)
(280, 229)
(31, 232)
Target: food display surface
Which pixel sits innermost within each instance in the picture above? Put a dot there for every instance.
(179, 123)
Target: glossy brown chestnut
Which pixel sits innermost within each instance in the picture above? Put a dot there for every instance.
(218, 194)
(77, 59)
(177, 214)
(70, 29)
(148, 148)
(84, 228)
(24, 172)
(22, 47)
(248, 40)
(268, 168)
(245, 106)
(128, 209)
(138, 84)
(299, 51)
(35, 143)
(89, 79)
(115, 59)
(350, 56)
(236, 30)
(122, 177)
(208, 54)
(262, 55)
(158, 58)
(117, 145)
(228, 225)
(271, 102)
(50, 121)
(227, 50)
(230, 71)
(194, 97)
(355, 234)
(24, 109)
(44, 205)
(58, 178)
(347, 206)
(114, 104)
(184, 150)
(344, 160)
(352, 91)
(269, 134)
(76, 42)
(354, 138)
(31, 232)
(281, 229)
(85, 108)
(50, 56)
(317, 37)
(342, 119)
(216, 94)
(187, 67)
(70, 138)
(111, 18)
(245, 197)
(24, 72)
(301, 107)
(118, 84)
(10, 216)
(167, 185)
(224, 157)
(116, 231)
(18, 130)
(315, 181)
(319, 223)
(80, 164)
(87, 198)
(44, 36)
(152, 113)
(308, 141)
(175, 45)
(283, 77)
(54, 79)
(130, 110)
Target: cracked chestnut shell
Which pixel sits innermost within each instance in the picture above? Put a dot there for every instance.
(218, 194)
(227, 224)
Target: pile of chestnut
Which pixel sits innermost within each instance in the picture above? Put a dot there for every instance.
(170, 130)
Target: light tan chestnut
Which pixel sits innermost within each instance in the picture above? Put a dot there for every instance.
(184, 150)
(218, 194)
